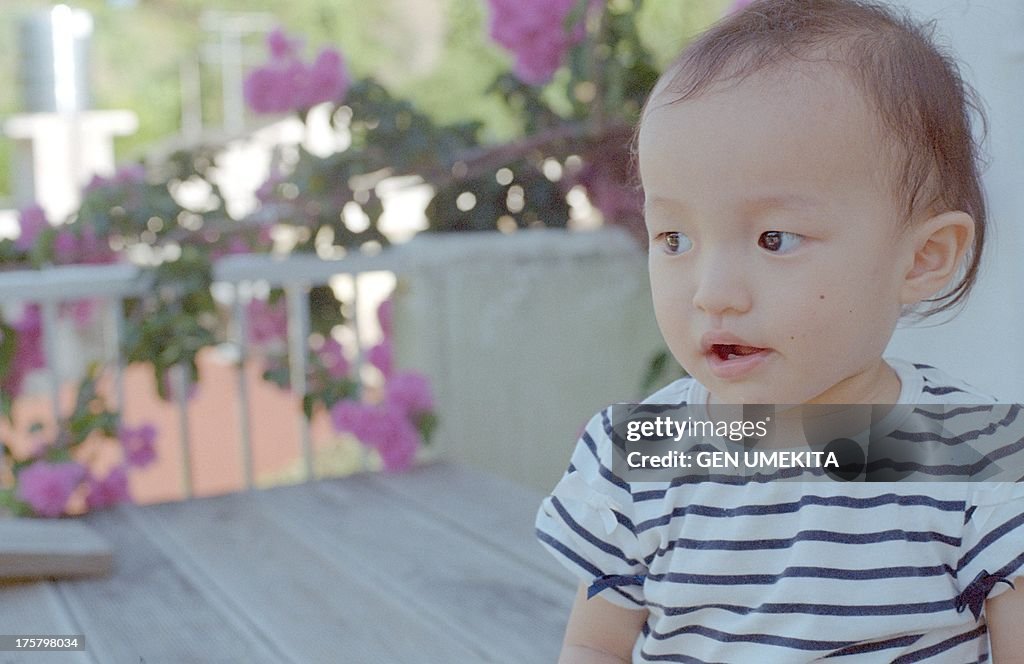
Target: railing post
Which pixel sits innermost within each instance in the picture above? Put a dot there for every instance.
(180, 382)
(115, 323)
(298, 333)
(48, 319)
(245, 428)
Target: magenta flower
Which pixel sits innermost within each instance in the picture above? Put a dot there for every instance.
(327, 79)
(130, 174)
(95, 183)
(385, 429)
(534, 31)
(65, 246)
(268, 323)
(385, 316)
(281, 45)
(111, 490)
(287, 84)
(33, 222)
(94, 249)
(28, 354)
(234, 245)
(139, 444)
(86, 246)
(380, 356)
(80, 311)
(46, 487)
(332, 355)
(400, 451)
(409, 392)
(266, 92)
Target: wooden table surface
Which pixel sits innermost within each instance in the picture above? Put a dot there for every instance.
(435, 565)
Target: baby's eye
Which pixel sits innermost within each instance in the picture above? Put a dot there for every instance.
(676, 242)
(779, 241)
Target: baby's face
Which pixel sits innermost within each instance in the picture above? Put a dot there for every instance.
(775, 257)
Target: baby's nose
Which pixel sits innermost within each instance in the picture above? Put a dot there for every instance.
(723, 287)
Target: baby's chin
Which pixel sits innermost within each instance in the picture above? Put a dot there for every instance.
(721, 392)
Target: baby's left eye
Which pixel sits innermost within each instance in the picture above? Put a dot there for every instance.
(780, 242)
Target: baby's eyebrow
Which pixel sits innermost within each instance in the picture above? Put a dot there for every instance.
(754, 204)
(770, 202)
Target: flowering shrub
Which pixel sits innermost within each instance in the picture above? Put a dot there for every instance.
(59, 476)
(538, 32)
(579, 74)
(288, 84)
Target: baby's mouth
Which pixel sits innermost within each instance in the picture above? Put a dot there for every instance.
(733, 351)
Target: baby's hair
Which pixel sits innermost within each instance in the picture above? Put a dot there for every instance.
(923, 103)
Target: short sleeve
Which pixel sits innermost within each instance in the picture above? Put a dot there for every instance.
(992, 547)
(587, 522)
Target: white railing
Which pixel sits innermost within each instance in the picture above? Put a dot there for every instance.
(237, 277)
(523, 337)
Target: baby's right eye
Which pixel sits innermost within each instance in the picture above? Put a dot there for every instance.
(675, 243)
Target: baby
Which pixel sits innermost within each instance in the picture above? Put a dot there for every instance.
(810, 177)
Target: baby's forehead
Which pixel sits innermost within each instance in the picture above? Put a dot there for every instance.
(821, 93)
(814, 79)
(791, 128)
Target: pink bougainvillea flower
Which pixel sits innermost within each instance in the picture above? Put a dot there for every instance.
(130, 174)
(266, 91)
(234, 245)
(534, 31)
(65, 246)
(28, 354)
(327, 79)
(84, 246)
(80, 311)
(33, 222)
(111, 490)
(385, 316)
(380, 356)
(282, 46)
(385, 429)
(95, 183)
(268, 323)
(332, 355)
(400, 451)
(409, 392)
(346, 415)
(286, 83)
(93, 248)
(46, 487)
(139, 444)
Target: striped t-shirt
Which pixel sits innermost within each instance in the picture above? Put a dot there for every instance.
(793, 571)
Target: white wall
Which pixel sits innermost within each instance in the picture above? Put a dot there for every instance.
(525, 337)
(985, 343)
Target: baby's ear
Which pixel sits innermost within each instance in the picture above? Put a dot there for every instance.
(939, 245)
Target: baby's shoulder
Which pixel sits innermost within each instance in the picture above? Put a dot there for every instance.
(925, 384)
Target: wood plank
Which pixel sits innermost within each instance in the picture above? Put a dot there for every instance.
(311, 605)
(41, 548)
(470, 589)
(150, 610)
(483, 504)
(35, 607)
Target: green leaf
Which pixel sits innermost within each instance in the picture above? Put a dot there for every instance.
(660, 366)
(308, 404)
(426, 424)
(10, 503)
